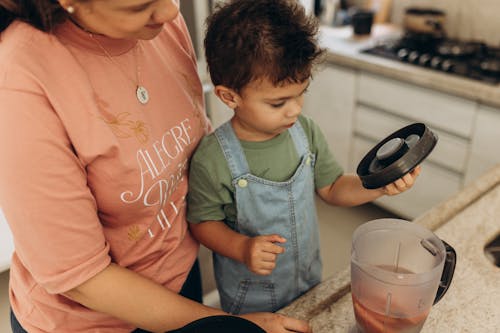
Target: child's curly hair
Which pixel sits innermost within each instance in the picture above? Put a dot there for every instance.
(255, 39)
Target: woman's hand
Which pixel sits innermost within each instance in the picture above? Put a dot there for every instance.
(261, 252)
(402, 184)
(277, 323)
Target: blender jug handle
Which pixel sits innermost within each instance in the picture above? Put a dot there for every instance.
(448, 270)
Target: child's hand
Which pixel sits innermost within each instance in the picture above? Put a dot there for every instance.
(403, 183)
(261, 253)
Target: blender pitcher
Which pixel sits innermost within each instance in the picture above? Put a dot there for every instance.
(399, 270)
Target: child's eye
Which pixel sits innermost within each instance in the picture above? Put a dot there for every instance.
(139, 8)
(278, 105)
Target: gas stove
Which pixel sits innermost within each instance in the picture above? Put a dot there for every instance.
(470, 59)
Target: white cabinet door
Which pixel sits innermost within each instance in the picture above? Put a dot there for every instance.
(447, 112)
(485, 151)
(330, 103)
(384, 105)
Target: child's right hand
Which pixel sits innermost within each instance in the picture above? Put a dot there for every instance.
(261, 253)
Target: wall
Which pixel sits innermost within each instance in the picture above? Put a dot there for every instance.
(4, 302)
(466, 19)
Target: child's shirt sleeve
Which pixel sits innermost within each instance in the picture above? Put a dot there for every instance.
(327, 169)
(209, 192)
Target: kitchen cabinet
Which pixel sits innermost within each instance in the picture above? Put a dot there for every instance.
(384, 105)
(330, 102)
(450, 113)
(356, 109)
(438, 179)
(484, 151)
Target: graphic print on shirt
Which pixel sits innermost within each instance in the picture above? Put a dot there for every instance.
(196, 100)
(134, 233)
(121, 126)
(162, 166)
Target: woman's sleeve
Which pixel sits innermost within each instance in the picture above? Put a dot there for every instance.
(44, 194)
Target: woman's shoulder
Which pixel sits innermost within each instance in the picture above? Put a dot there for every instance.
(26, 51)
(21, 39)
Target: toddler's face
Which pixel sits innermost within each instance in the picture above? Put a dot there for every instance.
(265, 110)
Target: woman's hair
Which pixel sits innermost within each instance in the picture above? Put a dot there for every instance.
(41, 14)
(255, 39)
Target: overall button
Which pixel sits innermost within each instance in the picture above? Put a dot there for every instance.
(308, 160)
(242, 183)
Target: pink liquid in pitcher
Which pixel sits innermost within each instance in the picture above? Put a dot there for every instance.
(370, 321)
(373, 322)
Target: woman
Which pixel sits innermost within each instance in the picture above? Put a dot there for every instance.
(100, 111)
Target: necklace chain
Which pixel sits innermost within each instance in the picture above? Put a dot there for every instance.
(141, 92)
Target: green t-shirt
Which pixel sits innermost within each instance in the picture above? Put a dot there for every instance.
(211, 193)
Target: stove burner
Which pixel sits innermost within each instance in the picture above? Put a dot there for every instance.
(454, 48)
(470, 59)
(490, 66)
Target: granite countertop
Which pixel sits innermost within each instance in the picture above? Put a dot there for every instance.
(468, 221)
(343, 49)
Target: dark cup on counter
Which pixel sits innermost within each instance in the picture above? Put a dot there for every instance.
(362, 21)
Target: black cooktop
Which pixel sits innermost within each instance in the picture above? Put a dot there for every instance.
(470, 59)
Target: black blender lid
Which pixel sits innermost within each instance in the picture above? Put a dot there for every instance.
(396, 155)
(220, 324)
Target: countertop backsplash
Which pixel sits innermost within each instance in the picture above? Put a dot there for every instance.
(465, 19)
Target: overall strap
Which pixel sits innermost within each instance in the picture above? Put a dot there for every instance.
(299, 139)
(233, 152)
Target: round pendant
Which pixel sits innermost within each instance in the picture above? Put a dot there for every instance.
(142, 94)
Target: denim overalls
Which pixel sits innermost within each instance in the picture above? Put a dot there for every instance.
(267, 207)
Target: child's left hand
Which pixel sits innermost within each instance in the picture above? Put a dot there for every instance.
(402, 184)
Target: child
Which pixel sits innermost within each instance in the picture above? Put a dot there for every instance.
(252, 182)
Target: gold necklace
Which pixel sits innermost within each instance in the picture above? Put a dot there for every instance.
(141, 93)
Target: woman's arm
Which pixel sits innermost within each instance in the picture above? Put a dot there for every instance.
(129, 296)
(133, 298)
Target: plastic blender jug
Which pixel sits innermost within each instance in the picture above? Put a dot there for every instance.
(398, 271)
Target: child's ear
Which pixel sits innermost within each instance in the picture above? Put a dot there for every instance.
(227, 96)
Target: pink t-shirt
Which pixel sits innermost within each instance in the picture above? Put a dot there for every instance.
(88, 175)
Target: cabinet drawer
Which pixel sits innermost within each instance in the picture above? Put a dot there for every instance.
(484, 153)
(450, 151)
(451, 113)
(433, 185)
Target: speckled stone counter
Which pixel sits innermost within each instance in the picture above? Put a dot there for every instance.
(467, 221)
(343, 49)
